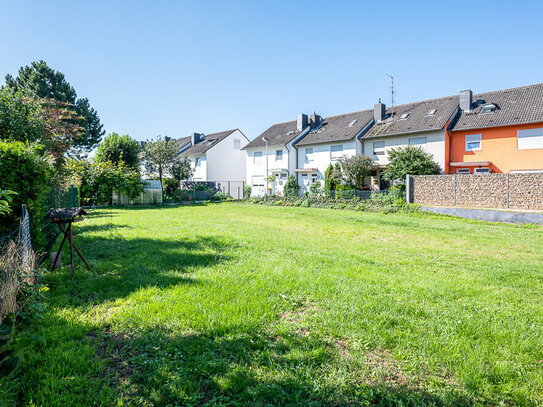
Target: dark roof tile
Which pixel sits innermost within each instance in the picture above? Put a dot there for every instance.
(418, 118)
(278, 134)
(513, 106)
(338, 128)
(206, 143)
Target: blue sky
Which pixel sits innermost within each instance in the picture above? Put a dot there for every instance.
(172, 67)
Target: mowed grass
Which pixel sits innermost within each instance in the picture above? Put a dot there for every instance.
(232, 304)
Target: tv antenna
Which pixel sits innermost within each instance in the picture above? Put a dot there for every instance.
(392, 93)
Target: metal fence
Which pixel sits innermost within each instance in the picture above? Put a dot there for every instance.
(151, 195)
(205, 190)
(17, 262)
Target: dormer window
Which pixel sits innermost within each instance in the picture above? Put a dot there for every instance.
(404, 116)
(488, 108)
(431, 112)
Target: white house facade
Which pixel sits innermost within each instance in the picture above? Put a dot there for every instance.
(334, 138)
(216, 157)
(423, 124)
(272, 154)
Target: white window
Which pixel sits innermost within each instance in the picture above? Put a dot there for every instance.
(336, 152)
(481, 171)
(417, 141)
(278, 155)
(198, 162)
(473, 142)
(404, 116)
(237, 144)
(431, 112)
(308, 155)
(258, 180)
(529, 139)
(463, 171)
(257, 157)
(379, 147)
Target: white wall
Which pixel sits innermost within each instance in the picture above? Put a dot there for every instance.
(224, 161)
(200, 171)
(321, 159)
(435, 145)
(257, 172)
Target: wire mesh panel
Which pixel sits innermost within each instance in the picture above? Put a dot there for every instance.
(151, 195)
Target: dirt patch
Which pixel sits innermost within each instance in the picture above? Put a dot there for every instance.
(296, 316)
(112, 348)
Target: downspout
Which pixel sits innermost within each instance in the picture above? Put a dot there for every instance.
(448, 130)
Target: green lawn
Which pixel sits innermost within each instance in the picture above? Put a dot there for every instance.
(231, 304)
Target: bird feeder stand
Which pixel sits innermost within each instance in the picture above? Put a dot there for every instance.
(67, 216)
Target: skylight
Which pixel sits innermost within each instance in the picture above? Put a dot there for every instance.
(351, 124)
(431, 112)
(404, 116)
(488, 108)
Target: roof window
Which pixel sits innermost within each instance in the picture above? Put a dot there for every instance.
(351, 124)
(431, 112)
(404, 116)
(488, 108)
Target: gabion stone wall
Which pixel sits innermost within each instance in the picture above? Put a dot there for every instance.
(500, 191)
(433, 190)
(526, 191)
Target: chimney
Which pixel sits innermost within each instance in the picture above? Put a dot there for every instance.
(379, 111)
(301, 122)
(195, 138)
(466, 102)
(314, 120)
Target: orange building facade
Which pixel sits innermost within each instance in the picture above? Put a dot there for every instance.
(517, 148)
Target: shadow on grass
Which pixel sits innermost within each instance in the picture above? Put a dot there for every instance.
(244, 369)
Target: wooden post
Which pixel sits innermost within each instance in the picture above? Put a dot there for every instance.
(71, 249)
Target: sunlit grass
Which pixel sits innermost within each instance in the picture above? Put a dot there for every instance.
(243, 304)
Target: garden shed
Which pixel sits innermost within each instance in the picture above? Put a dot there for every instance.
(151, 195)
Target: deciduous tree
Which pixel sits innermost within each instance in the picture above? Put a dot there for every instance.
(116, 148)
(409, 160)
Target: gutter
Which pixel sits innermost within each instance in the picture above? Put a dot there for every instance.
(294, 141)
(364, 131)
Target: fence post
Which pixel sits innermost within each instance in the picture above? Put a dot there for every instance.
(408, 187)
(507, 190)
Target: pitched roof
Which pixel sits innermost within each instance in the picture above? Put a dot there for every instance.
(207, 142)
(418, 118)
(183, 141)
(338, 128)
(513, 106)
(278, 134)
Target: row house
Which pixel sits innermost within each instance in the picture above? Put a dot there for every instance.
(333, 138)
(216, 156)
(273, 153)
(498, 132)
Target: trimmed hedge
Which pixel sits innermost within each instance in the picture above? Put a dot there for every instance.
(377, 203)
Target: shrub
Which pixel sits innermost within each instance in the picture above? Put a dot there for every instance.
(25, 171)
(247, 190)
(116, 148)
(291, 186)
(409, 160)
(98, 180)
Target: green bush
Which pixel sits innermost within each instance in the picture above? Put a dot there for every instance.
(98, 180)
(247, 190)
(25, 171)
(291, 186)
(376, 202)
